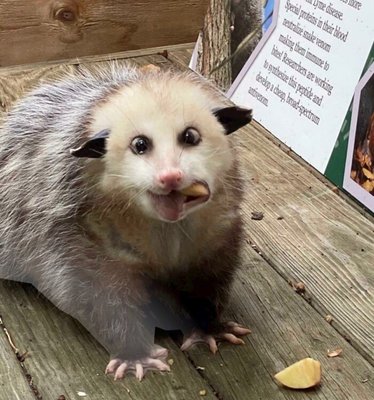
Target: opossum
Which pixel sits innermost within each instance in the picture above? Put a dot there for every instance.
(93, 168)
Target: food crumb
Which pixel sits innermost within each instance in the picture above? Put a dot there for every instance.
(200, 368)
(81, 394)
(202, 392)
(329, 319)
(257, 215)
(170, 361)
(334, 353)
(299, 287)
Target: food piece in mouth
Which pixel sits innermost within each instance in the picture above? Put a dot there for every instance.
(174, 205)
(195, 190)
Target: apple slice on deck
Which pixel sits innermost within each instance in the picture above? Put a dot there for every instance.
(303, 374)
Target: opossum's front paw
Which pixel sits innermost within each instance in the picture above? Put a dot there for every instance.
(230, 332)
(155, 361)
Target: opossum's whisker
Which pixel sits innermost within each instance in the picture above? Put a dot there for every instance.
(217, 153)
(236, 178)
(226, 184)
(184, 123)
(125, 115)
(119, 176)
(184, 232)
(135, 196)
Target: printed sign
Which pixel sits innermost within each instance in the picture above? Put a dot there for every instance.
(301, 78)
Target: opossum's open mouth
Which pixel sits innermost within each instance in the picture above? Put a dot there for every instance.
(174, 205)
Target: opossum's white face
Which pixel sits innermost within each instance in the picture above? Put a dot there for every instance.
(160, 137)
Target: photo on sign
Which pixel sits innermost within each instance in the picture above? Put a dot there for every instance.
(359, 173)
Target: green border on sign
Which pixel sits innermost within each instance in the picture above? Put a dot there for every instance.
(336, 165)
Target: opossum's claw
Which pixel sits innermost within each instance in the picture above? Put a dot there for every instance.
(139, 371)
(229, 334)
(156, 361)
(236, 329)
(112, 366)
(200, 337)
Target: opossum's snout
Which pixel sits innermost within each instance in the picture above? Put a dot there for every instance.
(169, 179)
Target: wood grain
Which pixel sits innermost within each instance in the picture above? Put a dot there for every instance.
(181, 57)
(13, 384)
(216, 43)
(65, 359)
(121, 55)
(43, 30)
(285, 329)
(320, 240)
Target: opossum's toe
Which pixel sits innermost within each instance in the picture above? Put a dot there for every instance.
(212, 344)
(159, 352)
(230, 337)
(156, 361)
(230, 334)
(237, 329)
(199, 337)
(112, 366)
(121, 371)
(158, 364)
(139, 371)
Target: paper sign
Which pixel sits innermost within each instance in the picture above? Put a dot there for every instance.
(301, 78)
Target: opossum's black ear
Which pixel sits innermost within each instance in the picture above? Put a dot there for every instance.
(233, 118)
(94, 147)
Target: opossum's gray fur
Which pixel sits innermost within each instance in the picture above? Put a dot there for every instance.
(42, 190)
(41, 195)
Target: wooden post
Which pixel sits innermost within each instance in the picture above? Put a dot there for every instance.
(216, 43)
(246, 18)
(226, 24)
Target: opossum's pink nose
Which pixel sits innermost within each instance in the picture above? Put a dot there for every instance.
(170, 179)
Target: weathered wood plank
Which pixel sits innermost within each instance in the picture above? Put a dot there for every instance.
(39, 30)
(15, 82)
(321, 240)
(348, 199)
(65, 359)
(181, 57)
(13, 384)
(160, 52)
(285, 329)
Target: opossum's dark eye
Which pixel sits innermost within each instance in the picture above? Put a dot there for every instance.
(190, 137)
(140, 145)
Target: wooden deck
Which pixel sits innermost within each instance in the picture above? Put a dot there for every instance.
(308, 234)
